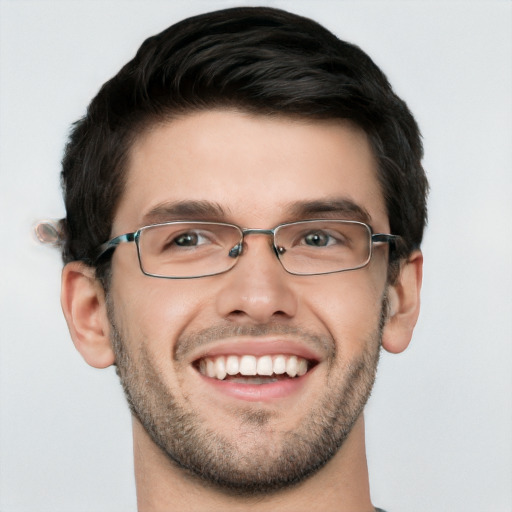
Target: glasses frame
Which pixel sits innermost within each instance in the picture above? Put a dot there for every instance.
(109, 247)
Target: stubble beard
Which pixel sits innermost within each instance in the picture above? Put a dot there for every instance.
(259, 464)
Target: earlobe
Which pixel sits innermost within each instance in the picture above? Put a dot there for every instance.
(84, 307)
(403, 305)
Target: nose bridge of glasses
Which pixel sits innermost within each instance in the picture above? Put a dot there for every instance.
(251, 231)
(237, 250)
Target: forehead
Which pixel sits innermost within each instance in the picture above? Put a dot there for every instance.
(256, 171)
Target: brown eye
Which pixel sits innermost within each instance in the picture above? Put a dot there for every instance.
(187, 240)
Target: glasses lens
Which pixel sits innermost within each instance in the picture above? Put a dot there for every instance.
(321, 247)
(187, 249)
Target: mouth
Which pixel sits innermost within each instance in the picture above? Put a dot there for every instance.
(255, 370)
(261, 370)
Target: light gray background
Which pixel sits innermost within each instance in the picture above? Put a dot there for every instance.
(439, 422)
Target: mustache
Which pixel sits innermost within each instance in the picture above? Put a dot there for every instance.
(193, 341)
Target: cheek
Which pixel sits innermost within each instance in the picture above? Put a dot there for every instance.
(155, 312)
(151, 317)
(349, 306)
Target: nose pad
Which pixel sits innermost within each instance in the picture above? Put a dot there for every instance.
(236, 251)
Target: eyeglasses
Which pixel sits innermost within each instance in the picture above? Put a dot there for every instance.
(185, 250)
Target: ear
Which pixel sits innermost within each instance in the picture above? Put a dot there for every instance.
(83, 304)
(404, 305)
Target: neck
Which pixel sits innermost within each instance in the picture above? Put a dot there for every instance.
(341, 485)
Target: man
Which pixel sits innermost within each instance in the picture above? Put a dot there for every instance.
(245, 206)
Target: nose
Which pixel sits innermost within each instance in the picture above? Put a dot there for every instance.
(258, 289)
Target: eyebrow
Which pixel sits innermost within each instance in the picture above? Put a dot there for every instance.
(337, 208)
(184, 210)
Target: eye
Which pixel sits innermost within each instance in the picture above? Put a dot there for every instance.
(189, 239)
(318, 239)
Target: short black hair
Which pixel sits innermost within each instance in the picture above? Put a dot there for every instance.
(259, 60)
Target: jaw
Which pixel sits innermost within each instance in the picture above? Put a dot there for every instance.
(247, 431)
(345, 474)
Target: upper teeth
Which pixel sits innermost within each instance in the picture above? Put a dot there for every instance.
(221, 366)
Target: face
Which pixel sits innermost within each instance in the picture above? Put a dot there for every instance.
(250, 433)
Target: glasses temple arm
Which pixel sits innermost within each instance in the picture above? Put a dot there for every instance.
(109, 247)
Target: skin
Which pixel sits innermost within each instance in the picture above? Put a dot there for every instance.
(259, 171)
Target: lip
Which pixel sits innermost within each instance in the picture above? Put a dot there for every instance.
(258, 347)
(285, 388)
(266, 345)
(258, 392)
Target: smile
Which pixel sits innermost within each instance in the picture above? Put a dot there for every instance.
(247, 368)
